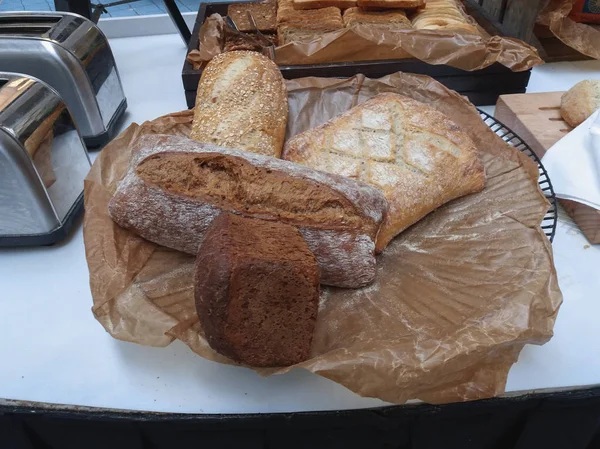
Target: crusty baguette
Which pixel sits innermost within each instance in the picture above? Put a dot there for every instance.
(403, 4)
(580, 102)
(264, 13)
(392, 19)
(317, 4)
(241, 103)
(175, 187)
(415, 154)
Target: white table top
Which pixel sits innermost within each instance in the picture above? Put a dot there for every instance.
(54, 351)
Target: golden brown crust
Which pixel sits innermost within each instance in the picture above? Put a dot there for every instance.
(391, 19)
(404, 4)
(242, 104)
(442, 15)
(414, 153)
(318, 4)
(314, 19)
(306, 25)
(580, 102)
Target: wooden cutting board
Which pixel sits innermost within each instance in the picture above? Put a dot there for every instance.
(536, 119)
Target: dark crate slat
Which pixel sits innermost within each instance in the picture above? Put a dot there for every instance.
(519, 18)
(481, 86)
(478, 98)
(495, 8)
(490, 77)
(514, 18)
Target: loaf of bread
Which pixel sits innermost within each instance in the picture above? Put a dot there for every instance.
(175, 187)
(318, 4)
(241, 103)
(392, 19)
(264, 14)
(580, 102)
(307, 25)
(442, 15)
(415, 154)
(257, 291)
(385, 4)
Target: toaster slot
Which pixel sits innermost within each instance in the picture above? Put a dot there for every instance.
(27, 25)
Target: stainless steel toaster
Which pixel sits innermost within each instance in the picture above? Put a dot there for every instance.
(72, 55)
(43, 162)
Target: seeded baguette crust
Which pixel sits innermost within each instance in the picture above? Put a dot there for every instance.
(241, 103)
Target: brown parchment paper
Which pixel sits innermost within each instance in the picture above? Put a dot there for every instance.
(367, 43)
(583, 38)
(456, 297)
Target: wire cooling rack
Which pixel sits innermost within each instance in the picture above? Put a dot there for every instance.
(549, 221)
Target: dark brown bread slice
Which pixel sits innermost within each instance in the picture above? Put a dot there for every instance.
(257, 291)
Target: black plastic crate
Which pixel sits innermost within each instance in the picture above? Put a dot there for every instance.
(482, 87)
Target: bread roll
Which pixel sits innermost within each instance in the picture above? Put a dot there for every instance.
(416, 155)
(176, 187)
(580, 102)
(257, 291)
(241, 103)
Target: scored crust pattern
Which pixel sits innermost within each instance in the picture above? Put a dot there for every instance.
(416, 155)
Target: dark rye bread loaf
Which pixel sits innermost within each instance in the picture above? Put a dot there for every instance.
(176, 187)
(257, 291)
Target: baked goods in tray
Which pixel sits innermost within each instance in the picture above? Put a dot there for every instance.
(246, 41)
(257, 291)
(175, 187)
(317, 4)
(580, 102)
(442, 15)
(304, 26)
(385, 4)
(241, 103)
(264, 13)
(416, 155)
(392, 19)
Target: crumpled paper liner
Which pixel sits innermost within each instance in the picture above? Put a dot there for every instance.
(583, 38)
(456, 297)
(366, 43)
